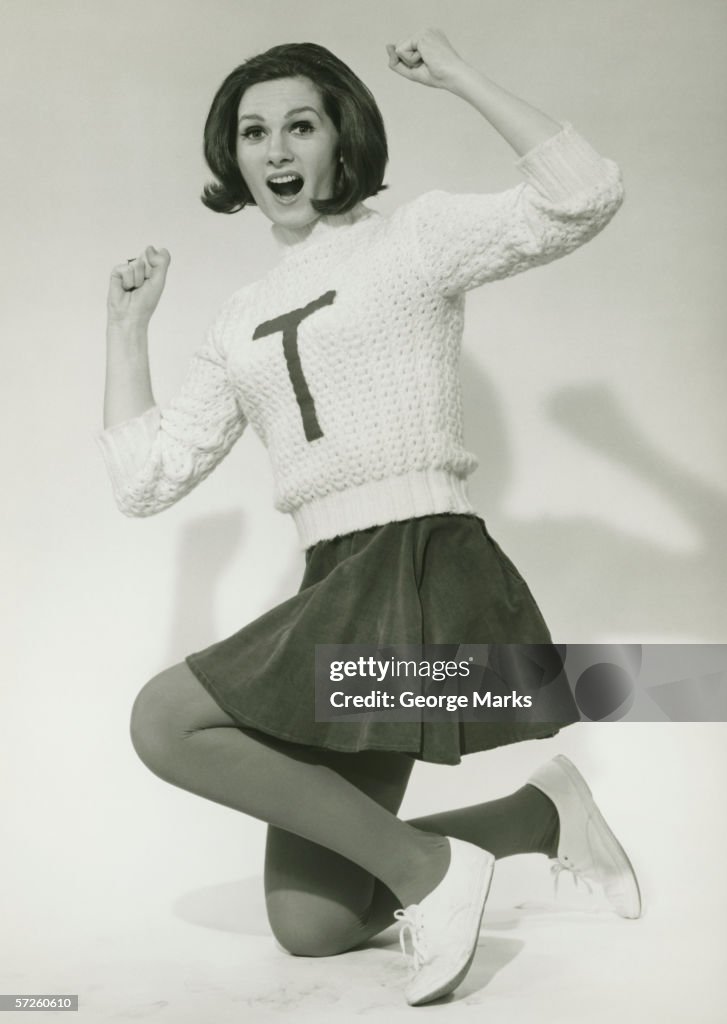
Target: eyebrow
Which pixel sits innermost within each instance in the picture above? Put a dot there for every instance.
(291, 113)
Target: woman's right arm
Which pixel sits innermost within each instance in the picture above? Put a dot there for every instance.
(154, 456)
(134, 292)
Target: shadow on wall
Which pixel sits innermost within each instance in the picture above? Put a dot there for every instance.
(603, 578)
(208, 545)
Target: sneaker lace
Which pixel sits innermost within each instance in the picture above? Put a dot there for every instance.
(412, 928)
(558, 867)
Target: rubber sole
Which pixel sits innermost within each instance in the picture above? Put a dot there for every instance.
(451, 983)
(606, 834)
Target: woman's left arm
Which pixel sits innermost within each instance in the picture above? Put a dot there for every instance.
(429, 59)
(570, 191)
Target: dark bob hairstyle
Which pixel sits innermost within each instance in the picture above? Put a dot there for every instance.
(346, 100)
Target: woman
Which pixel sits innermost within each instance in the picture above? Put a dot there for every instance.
(344, 360)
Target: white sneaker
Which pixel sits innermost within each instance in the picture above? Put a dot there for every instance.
(445, 926)
(587, 847)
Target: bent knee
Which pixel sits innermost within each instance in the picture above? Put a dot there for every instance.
(305, 942)
(303, 932)
(156, 723)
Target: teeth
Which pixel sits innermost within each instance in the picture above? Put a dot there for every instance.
(281, 178)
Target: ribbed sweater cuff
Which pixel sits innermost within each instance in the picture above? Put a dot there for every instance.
(125, 446)
(419, 493)
(563, 164)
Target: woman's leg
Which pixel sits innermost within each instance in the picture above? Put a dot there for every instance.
(523, 822)
(338, 861)
(184, 737)
(320, 904)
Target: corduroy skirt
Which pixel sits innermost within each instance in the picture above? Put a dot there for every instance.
(437, 579)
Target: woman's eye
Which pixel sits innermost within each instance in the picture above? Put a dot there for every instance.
(303, 127)
(252, 133)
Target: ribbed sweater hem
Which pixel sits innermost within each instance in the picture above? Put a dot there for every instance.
(419, 493)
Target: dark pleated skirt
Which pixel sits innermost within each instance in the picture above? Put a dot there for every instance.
(438, 579)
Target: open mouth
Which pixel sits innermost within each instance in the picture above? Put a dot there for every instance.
(285, 186)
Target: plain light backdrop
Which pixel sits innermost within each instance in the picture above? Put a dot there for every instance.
(594, 395)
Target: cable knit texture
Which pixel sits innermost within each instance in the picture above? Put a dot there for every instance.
(344, 358)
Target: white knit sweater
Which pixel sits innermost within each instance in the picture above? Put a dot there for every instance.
(344, 358)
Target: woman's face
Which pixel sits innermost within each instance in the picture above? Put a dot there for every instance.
(287, 149)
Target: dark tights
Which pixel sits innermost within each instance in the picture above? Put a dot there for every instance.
(338, 860)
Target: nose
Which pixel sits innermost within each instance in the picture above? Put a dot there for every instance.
(279, 149)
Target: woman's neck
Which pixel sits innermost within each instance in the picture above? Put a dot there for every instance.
(322, 227)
